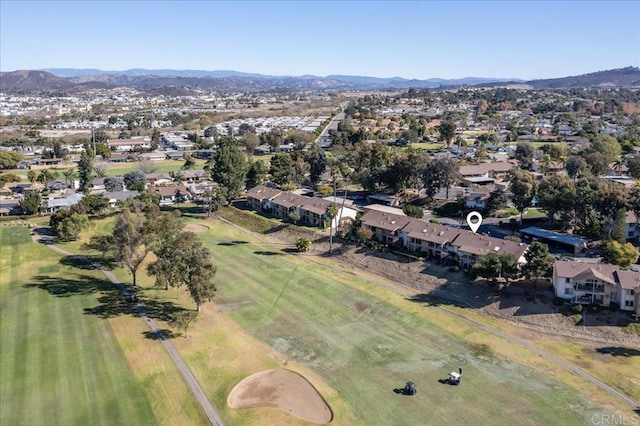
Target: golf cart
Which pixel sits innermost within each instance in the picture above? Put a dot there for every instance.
(410, 389)
(455, 378)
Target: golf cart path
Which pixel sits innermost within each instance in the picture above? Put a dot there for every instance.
(188, 376)
(626, 399)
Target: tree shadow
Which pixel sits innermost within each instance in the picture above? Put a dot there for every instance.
(275, 229)
(162, 334)
(618, 351)
(233, 243)
(72, 285)
(290, 250)
(88, 262)
(267, 253)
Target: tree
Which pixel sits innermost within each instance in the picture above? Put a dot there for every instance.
(303, 244)
(114, 184)
(447, 131)
(523, 188)
(100, 169)
(94, 204)
(539, 261)
(623, 255)
(31, 202)
(524, 154)
(10, 159)
(182, 320)
(575, 166)
(47, 175)
(608, 146)
(135, 181)
(67, 225)
(294, 217)
(633, 163)
(497, 200)
(32, 176)
(130, 240)
(413, 211)
(494, 266)
(619, 231)
(406, 170)
(100, 243)
(331, 212)
(196, 269)
(557, 194)
(85, 170)
(189, 163)
(8, 177)
(597, 162)
(256, 173)
(165, 233)
(281, 168)
(230, 168)
(69, 176)
(440, 173)
(317, 164)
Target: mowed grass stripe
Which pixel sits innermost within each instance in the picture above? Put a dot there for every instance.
(365, 347)
(62, 366)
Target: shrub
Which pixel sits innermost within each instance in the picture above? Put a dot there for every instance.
(613, 306)
(436, 221)
(303, 244)
(576, 309)
(558, 301)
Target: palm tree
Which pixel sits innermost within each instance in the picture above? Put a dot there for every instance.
(69, 176)
(331, 212)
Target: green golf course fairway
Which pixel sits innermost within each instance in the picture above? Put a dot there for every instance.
(59, 365)
(365, 347)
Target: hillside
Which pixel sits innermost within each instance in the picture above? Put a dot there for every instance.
(70, 80)
(621, 77)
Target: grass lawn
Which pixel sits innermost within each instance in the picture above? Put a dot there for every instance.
(357, 341)
(348, 333)
(59, 364)
(426, 145)
(62, 362)
(534, 212)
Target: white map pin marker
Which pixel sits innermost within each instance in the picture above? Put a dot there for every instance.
(474, 220)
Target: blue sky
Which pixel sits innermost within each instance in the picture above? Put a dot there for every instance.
(418, 39)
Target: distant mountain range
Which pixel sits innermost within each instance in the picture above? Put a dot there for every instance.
(185, 81)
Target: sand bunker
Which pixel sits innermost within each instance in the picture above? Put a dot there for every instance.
(282, 389)
(196, 227)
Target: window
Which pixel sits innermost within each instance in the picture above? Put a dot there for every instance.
(628, 303)
(614, 297)
(568, 290)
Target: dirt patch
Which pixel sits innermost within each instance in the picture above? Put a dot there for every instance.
(196, 227)
(283, 389)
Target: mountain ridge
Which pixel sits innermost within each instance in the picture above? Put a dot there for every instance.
(76, 80)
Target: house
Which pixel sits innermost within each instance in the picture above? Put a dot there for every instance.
(158, 178)
(386, 227)
(476, 200)
(262, 150)
(53, 204)
(495, 171)
(596, 283)
(97, 184)
(174, 155)
(172, 194)
(468, 246)
(10, 206)
(193, 175)
(312, 211)
(429, 238)
(286, 203)
(152, 156)
(114, 197)
(128, 145)
(118, 157)
(259, 198)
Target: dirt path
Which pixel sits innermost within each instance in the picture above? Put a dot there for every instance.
(188, 376)
(315, 259)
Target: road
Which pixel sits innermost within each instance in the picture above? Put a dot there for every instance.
(333, 124)
(188, 376)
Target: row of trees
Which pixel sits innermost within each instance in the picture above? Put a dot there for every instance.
(180, 258)
(494, 266)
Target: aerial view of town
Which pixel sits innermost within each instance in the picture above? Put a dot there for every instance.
(330, 233)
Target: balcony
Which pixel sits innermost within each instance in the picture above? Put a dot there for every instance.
(591, 288)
